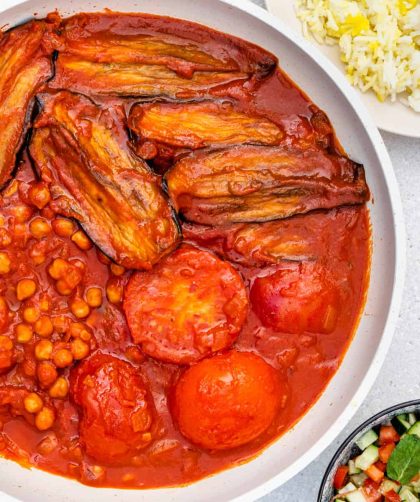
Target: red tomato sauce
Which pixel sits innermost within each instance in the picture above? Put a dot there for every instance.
(307, 361)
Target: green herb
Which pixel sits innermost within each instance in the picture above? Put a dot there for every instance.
(404, 462)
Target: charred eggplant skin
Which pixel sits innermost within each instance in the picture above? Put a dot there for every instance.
(149, 39)
(135, 80)
(202, 124)
(256, 184)
(25, 66)
(133, 55)
(81, 150)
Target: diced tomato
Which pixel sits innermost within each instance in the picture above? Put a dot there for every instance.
(392, 496)
(380, 465)
(374, 473)
(340, 477)
(385, 452)
(371, 491)
(388, 434)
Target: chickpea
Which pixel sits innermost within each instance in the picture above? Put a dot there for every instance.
(37, 255)
(31, 314)
(43, 350)
(24, 333)
(58, 268)
(117, 269)
(63, 227)
(79, 308)
(62, 358)
(114, 292)
(81, 265)
(25, 289)
(39, 228)
(80, 330)
(4, 263)
(61, 323)
(94, 297)
(81, 240)
(79, 349)
(59, 388)
(22, 213)
(39, 195)
(44, 327)
(33, 403)
(46, 373)
(44, 419)
(63, 288)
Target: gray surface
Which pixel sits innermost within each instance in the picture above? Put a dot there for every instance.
(399, 379)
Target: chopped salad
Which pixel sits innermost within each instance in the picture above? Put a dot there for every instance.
(387, 467)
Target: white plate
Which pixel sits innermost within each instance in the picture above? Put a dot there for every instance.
(329, 89)
(392, 117)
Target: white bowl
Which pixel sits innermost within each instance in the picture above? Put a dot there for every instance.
(388, 116)
(329, 89)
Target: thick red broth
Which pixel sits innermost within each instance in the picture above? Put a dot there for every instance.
(65, 342)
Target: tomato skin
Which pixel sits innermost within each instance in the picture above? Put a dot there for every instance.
(189, 306)
(296, 298)
(340, 477)
(385, 452)
(388, 434)
(371, 491)
(392, 496)
(228, 400)
(117, 411)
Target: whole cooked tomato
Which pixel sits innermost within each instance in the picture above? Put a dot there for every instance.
(117, 411)
(227, 400)
(190, 305)
(296, 298)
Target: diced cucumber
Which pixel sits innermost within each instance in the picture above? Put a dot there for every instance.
(411, 418)
(414, 430)
(339, 500)
(416, 485)
(358, 479)
(357, 496)
(407, 495)
(348, 488)
(352, 468)
(388, 485)
(367, 439)
(367, 458)
(401, 424)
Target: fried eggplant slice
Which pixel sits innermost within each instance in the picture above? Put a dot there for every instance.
(128, 79)
(199, 125)
(24, 67)
(255, 183)
(178, 45)
(82, 151)
(312, 236)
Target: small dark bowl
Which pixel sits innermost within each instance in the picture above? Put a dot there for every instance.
(348, 449)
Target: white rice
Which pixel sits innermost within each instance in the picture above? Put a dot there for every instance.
(379, 42)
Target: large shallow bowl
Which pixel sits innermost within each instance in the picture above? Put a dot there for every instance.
(329, 89)
(348, 449)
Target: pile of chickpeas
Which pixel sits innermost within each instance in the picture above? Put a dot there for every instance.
(52, 341)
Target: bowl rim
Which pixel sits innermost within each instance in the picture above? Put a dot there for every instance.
(392, 410)
(395, 300)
